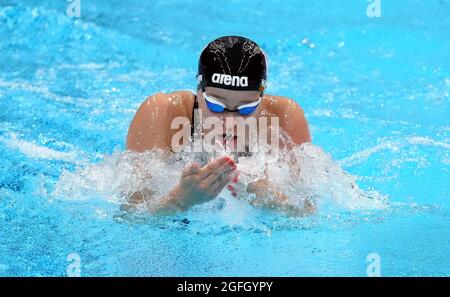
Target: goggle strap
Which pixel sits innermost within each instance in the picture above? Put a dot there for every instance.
(212, 100)
(252, 104)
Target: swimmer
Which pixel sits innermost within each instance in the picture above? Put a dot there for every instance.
(232, 73)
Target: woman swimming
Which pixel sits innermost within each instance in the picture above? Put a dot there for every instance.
(232, 73)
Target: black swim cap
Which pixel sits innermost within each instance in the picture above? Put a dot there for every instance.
(234, 63)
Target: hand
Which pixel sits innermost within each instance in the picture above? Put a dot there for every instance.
(199, 185)
(263, 190)
(267, 196)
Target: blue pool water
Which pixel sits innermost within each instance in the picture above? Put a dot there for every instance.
(375, 91)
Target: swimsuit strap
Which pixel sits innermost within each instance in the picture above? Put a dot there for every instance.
(193, 114)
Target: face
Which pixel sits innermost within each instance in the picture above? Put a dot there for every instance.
(231, 99)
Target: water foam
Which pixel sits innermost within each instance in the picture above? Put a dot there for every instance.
(306, 173)
(391, 145)
(44, 91)
(33, 150)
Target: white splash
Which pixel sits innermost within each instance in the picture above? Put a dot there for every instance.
(33, 150)
(44, 91)
(391, 145)
(305, 173)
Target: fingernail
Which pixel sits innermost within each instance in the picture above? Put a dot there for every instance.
(235, 180)
(234, 194)
(230, 187)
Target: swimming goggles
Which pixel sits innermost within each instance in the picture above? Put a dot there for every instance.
(216, 106)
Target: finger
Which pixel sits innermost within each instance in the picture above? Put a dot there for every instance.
(217, 189)
(215, 164)
(192, 169)
(232, 190)
(220, 183)
(236, 177)
(219, 172)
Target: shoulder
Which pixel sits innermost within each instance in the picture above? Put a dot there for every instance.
(291, 117)
(151, 125)
(167, 104)
(281, 105)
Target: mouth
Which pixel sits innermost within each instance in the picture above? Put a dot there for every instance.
(229, 136)
(229, 139)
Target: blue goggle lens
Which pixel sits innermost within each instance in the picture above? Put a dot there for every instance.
(214, 107)
(247, 110)
(218, 107)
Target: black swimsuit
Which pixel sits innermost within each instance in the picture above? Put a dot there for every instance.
(193, 114)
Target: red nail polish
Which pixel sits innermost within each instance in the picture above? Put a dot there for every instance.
(235, 180)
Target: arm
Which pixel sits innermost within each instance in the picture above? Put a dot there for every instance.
(293, 122)
(196, 186)
(150, 129)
